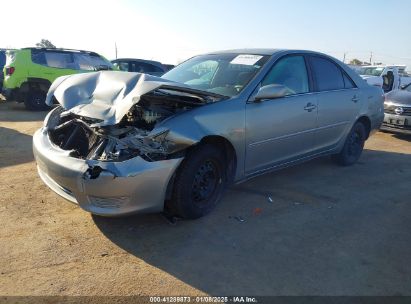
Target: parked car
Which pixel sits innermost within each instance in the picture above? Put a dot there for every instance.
(121, 143)
(168, 67)
(389, 78)
(2, 63)
(397, 109)
(29, 72)
(140, 66)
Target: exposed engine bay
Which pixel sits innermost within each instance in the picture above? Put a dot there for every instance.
(133, 135)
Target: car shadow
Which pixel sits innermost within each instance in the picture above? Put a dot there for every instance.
(403, 136)
(14, 112)
(312, 229)
(400, 134)
(15, 147)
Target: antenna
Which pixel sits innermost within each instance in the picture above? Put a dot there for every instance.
(115, 47)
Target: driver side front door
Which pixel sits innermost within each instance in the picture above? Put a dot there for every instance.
(282, 129)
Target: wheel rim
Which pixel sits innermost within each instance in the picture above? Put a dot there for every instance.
(355, 144)
(38, 99)
(205, 182)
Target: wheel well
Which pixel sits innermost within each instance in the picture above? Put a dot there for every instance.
(367, 124)
(35, 84)
(229, 153)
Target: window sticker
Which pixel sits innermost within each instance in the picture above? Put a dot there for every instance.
(246, 59)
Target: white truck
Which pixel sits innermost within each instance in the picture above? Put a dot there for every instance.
(388, 77)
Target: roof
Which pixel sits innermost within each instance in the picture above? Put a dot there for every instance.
(58, 49)
(137, 59)
(255, 51)
(264, 52)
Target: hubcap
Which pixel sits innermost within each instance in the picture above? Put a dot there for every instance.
(38, 98)
(205, 182)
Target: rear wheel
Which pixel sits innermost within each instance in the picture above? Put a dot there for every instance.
(36, 100)
(199, 183)
(353, 146)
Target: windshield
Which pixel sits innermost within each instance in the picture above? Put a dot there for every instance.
(225, 74)
(370, 71)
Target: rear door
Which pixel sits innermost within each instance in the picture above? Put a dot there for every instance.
(338, 101)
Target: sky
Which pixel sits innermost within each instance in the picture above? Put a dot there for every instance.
(174, 30)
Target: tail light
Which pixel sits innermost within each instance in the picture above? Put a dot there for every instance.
(10, 71)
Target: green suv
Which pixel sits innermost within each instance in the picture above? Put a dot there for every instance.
(29, 72)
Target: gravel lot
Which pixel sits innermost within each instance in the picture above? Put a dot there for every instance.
(328, 231)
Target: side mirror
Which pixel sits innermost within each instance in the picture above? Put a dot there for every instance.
(272, 91)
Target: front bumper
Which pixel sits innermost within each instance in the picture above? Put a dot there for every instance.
(122, 188)
(393, 122)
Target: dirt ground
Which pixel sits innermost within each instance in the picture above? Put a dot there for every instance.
(328, 231)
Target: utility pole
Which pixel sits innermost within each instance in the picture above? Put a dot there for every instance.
(115, 46)
(345, 53)
(371, 58)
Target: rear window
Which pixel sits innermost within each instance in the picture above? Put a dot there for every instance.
(70, 60)
(328, 76)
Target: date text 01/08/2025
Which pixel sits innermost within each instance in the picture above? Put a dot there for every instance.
(202, 299)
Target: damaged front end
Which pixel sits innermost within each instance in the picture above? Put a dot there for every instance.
(105, 146)
(137, 133)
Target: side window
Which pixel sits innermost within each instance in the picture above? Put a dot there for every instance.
(38, 57)
(290, 72)
(90, 62)
(131, 67)
(122, 65)
(138, 67)
(328, 75)
(60, 60)
(153, 68)
(144, 67)
(348, 83)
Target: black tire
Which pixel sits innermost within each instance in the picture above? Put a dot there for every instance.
(199, 183)
(353, 146)
(36, 101)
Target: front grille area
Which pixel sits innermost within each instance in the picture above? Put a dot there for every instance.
(391, 110)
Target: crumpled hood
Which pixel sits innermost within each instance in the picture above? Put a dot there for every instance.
(104, 95)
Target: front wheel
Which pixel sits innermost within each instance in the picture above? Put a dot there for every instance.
(353, 146)
(200, 181)
(36, 101)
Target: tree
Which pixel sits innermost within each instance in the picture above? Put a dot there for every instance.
(44, 43)
(355, 61)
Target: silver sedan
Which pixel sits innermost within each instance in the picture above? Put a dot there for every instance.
(121, 143)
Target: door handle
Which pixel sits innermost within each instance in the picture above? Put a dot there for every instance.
(355, 98)
(309, 107)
